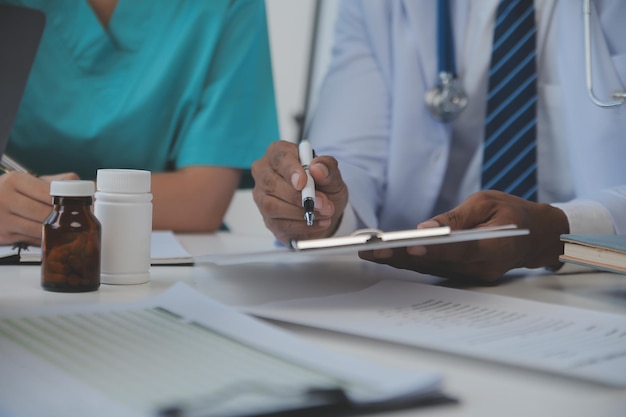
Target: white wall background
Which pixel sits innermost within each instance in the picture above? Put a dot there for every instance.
(290, 24)
(323, 46)
(291, 29)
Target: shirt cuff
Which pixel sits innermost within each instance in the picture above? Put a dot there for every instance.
(349, 222)
(585, 217)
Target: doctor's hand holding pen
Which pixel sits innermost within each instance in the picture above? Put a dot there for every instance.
(280, 183)
(25, 203)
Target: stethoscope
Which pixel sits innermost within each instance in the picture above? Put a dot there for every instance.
(447, 99)
(619, 96)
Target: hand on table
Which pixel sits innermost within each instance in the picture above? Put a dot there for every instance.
(279, 178)
(25, 203)
(485, 260)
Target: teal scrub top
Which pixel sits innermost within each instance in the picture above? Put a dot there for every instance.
(168, 84)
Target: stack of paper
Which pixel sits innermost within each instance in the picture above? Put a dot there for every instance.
(183, 354)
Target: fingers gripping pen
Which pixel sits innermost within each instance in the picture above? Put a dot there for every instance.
(307, 154)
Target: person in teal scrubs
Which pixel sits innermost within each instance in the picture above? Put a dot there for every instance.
(181, 88)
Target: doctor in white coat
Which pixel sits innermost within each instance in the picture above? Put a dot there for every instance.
(392, 166)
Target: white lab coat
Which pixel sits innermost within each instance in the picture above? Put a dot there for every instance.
(394, 157)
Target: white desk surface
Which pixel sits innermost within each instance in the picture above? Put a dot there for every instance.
(482, 388)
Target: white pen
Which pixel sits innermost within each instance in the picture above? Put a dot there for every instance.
(307, 154)
(8, 164)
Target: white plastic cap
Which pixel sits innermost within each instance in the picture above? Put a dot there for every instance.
(72, 188)
(123, 181)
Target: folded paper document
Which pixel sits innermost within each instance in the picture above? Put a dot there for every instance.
(182, 354)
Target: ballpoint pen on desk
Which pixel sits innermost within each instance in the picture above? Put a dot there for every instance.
(307, 154)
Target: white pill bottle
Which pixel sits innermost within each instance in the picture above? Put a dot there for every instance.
(124, 208)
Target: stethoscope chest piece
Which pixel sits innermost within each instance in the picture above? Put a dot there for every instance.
(447, 99)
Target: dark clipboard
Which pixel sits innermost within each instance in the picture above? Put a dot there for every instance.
(314, 402)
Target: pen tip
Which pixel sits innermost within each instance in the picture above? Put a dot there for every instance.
(309, 217)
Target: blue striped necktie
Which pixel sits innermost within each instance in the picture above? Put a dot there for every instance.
(509, 159)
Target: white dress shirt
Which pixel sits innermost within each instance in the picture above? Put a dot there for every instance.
(400, 165)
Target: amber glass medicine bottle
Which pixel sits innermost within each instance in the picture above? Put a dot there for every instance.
(71, 236)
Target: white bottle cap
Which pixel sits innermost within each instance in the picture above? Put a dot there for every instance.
(72, 188)
(123, 181)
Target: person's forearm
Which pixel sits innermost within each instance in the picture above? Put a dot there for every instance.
(546, 235)
(193, 199)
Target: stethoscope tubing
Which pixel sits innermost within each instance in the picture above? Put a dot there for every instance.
(445, 41)
(618, 96)
(446, 66)
(447, 99)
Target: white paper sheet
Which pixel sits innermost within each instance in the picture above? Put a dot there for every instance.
(564, 340)
(179, 348)
(165, 249)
